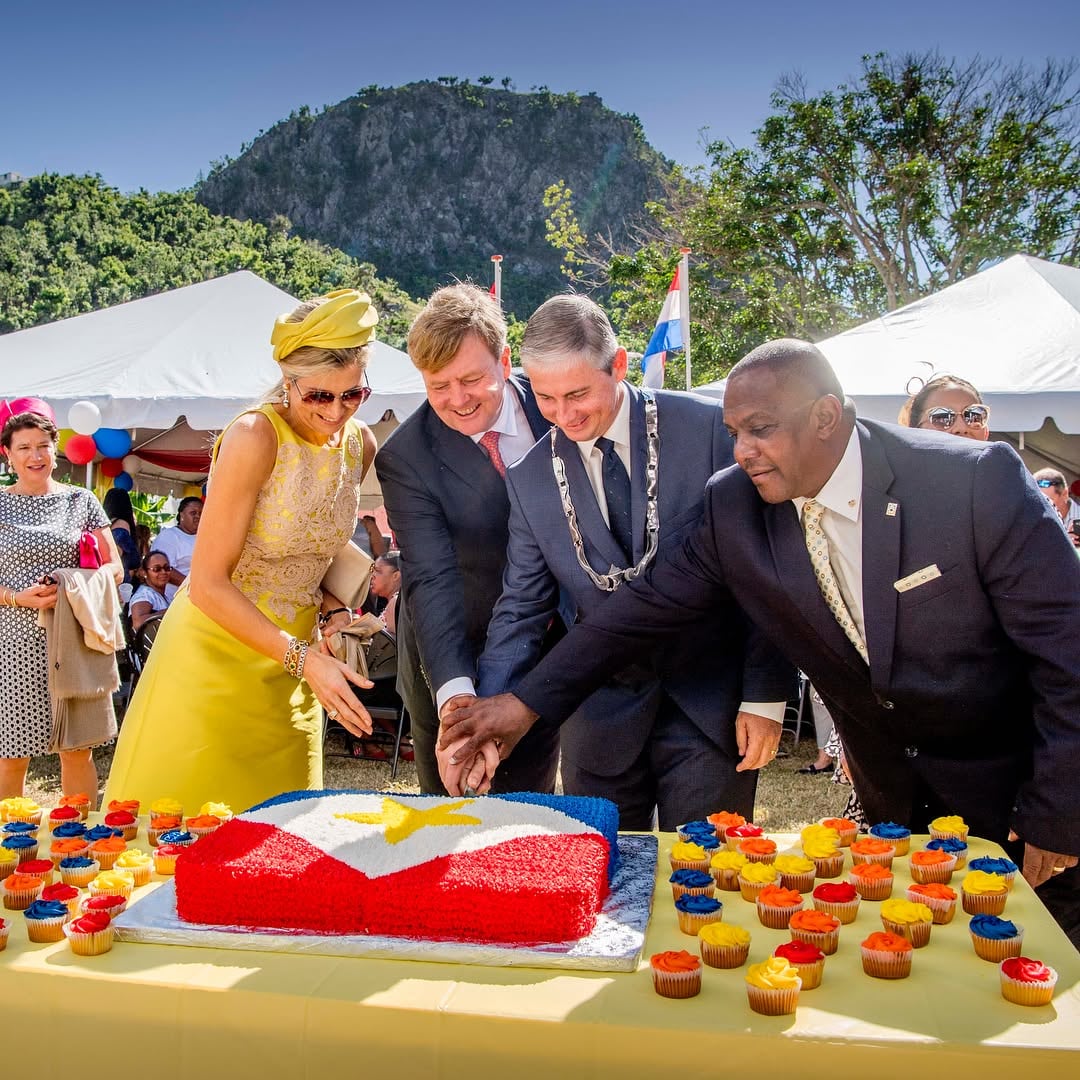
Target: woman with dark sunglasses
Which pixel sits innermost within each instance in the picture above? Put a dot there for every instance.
(951, 404)
(149, 598)
(229, 705)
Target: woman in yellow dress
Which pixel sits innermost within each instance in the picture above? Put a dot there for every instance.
(228, 707)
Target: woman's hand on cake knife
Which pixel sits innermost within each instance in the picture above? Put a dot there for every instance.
(470, 777)
(502, 719)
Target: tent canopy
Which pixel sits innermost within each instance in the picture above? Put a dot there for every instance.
(201, 351)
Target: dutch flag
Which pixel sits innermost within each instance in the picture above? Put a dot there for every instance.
(668, 335)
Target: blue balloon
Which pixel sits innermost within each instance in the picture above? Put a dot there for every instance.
(112, 442)
(124, 482)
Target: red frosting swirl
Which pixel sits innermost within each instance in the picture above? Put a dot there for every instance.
(102, 903)
(91, 923)
(743, 831)
(39, 867)
(119, 819)
(836, 894)
(63, 893)
(799, 952)
(1022, 969)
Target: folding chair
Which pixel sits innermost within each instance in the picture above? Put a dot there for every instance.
(798, 710)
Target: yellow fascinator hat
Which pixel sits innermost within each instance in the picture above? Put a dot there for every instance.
(346, 321)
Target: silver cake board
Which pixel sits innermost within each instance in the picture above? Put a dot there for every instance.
(614, 945)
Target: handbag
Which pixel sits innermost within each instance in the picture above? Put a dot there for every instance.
(350, 645)
(349, 575)
(89, 552)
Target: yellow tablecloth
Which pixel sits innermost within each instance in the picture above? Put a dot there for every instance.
(166, 1011)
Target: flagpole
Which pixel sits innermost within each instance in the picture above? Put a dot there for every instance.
(497, 260)
(684, 308)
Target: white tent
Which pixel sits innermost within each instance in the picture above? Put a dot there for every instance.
(1012, 330)
(201, 351)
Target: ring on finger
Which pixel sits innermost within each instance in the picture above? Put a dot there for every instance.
(332, 713)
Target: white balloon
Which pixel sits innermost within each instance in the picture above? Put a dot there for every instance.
(132, 464)
(84, 417)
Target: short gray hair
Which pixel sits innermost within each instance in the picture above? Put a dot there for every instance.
(569, 327)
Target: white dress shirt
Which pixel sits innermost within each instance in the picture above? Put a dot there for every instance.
(593, 457)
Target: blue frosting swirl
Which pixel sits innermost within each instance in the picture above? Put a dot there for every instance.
(102, 832)
(990, 926)
(697, 905)
(69, 830)
(76, 862)
(949, 845)
(993, 866)
(20, 828)
(697, 827)
(889, 830)
(19, 843)
(691, 879)
(176, 836)
(46, 909)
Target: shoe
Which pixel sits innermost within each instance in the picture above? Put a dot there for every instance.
(369, 751)
(406, 753)
(812, 770)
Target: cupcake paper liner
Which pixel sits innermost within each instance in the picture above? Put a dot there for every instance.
(882, 964)
(846, 913)
(803, 882)
(883, 858)
(942, 910)
(811, 974)
(691, 923)
(772, 1002)
(681, 890)
(89, 944)
(43, 930)
(939, 873)
(80, 876)
(917, 933)
(872, 890)
(1028, 993)
(775, 918)
(829, 867)
(677, 984)
(727, 879)
(21, 899)
(749, 889)
(724, 956)
(997, 949)
(983, 903)
(827, 943)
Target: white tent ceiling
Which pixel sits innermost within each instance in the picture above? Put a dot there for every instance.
(201, 351)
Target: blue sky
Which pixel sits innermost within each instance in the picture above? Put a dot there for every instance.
(148, 94)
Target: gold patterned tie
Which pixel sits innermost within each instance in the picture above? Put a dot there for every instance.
(817, 544)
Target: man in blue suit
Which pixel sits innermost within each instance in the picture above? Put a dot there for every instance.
(442, 477)
(920, 581)
(622, 471)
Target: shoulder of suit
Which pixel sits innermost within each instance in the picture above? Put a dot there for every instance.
(680, 401)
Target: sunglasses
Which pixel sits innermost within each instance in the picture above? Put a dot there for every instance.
(974, 416)
(159, 569)
(351, 399)
(1044, 483)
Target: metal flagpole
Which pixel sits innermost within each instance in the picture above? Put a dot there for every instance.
(497, 260)
(684, 309)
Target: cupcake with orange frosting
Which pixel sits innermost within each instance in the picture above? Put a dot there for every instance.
(676, 974)
(63, 815)
(846, 830)
(822, 845)
(949, 827)
(983, 894)
(130, 806)
(837, 898)
(757, 849)
(736, 834)
(80, 801)
(776, 905)
(67, 895)
(694, 912)
(872, 881)
(995, 939)
(817, 928)
(753, 877)
(685, 855)
(67, 847)
(796, 872)
(886, 955)
(137, 863)
(724, 867)
(722, 821)
(927, 866)
(807, 960)
(1027, 982)
(772, 987)
(204, 824)
(908, 919)
(20, 890)
(940, 899)
(107, 850)
(160, 825)
(723, 945)
(113, 883)
(125, 821)
(90, 934)
(869, 849)
(18, 808)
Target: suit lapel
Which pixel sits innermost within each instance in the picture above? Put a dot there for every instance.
(590, 520)
(464, 458)
(537, 424)
(638, 457)
(881, 558)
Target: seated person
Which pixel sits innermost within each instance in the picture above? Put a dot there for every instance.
(149, 599)
(386, 583)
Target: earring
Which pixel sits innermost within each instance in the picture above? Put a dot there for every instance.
(285, 396)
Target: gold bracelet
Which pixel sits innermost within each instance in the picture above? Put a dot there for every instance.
(292, 657)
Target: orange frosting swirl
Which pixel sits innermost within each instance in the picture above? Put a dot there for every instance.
(675, 961)
(934, 891)
(930, 858)
(757, 846)
(18, 882)
(840, 824)
(109, 843)
(814, 922)
(206, 821)
(725, 819)
(778, 896)
(131, 806)
(870, 845)
(65, 844)
(883, 941)
(871, 871)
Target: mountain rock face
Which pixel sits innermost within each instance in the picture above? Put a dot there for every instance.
(427, 181)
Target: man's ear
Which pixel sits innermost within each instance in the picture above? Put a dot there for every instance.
(504, 361)
(827, 412)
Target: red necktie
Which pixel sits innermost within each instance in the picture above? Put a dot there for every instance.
(490, 443)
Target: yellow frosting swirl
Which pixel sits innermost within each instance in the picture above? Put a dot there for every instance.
(728, 860)
(108, 880)
(949, 823)
(720, 933)
(773, 974)
(905, 912)
(166, 807)
(793, 864)
(216, 809)
(18, 805)
(820, 846)
(684, 851)
(133, 857)
(759, 873)
(978, 882)
(8, 855)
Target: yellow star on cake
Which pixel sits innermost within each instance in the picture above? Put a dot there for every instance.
(402, 821)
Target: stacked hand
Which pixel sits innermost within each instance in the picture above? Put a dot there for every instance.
(475, 734)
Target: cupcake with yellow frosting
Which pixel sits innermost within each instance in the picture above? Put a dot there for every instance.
(772, 987)
(983, 894)
(18, 808)
(886, 955)
(872, 881)
(222, 811)
(817, 928)
(113, 883)
(822, 846)
(807, 960)
(1027, 982)
(724, 867)
(927, 866)
(723, 945)
(137, 863)
(685, 855)
(845, 829)
(908, 919)
(796, 872)
(949, 827)
(753, 877)
(676, 974)
(940, 899)
(9, 861)
(776, 905)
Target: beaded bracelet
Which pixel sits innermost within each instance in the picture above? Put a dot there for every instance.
(291, 660)
(326, 616)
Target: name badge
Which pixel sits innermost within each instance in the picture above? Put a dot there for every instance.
(920, 577)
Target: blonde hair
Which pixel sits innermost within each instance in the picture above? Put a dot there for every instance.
(309, 360)
(452, 313)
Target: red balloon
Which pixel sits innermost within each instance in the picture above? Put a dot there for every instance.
(112, 466)
(80, 449)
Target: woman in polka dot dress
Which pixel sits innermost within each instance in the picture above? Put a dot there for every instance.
(41, 522)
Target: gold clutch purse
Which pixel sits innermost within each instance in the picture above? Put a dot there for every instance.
(349, 575)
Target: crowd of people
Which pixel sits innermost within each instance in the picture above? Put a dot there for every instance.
(582, 576)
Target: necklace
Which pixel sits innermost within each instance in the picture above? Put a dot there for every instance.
(610, 581)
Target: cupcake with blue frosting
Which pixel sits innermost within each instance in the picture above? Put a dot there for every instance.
(1005, 868)
(78, 870)
(951, 846)
(45, 920)
(897, 835)
(694, 882)
(697, 911)
(996, 939)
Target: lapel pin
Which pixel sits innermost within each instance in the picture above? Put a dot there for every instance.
(890, 510)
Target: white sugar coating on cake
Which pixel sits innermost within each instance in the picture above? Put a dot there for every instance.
(458, 827)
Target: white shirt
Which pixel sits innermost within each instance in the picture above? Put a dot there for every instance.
(842, 525)
(178, 545)
(144, 594)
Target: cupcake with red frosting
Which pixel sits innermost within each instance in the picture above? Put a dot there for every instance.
(1027, 982)
(125, 821)
(776, 905)
(676, 974)
(110, 904)
(807, 960)
(67, 895)
(839, 899)
(90, 934)
(735, 834)
(63, 815)
(872, 881)
(927, 866)
(42, 868)
(165, 856)
(80, 801)
(817, 928)
(886, 955)
(940, 899)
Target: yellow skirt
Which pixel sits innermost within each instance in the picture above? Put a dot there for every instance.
(214, 721)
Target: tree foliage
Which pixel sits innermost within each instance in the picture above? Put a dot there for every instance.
(856, 201)
(71, 244)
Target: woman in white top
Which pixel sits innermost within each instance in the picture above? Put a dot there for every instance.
(148, 599)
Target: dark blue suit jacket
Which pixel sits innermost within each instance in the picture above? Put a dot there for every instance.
(707, 673)
(973, 686)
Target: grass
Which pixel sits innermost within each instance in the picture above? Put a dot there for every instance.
(785, 800)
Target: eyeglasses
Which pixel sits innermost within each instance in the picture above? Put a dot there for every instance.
(351, 399)
(974, 416)
(159, 569)
(1046, 483)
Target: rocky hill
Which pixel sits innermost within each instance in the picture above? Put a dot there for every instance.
(428, 180)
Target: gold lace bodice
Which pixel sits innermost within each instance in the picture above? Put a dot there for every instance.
(304, 514)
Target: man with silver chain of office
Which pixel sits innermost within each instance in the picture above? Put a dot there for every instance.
(624, 470)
